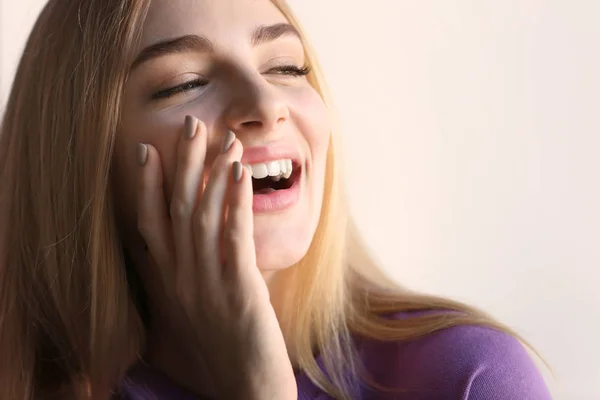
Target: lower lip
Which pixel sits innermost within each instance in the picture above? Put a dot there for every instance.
(278, 200)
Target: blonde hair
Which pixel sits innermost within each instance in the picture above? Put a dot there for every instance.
(70, 327)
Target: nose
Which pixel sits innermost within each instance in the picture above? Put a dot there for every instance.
(256, 107)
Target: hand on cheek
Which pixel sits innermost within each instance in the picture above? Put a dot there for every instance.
(203, 246)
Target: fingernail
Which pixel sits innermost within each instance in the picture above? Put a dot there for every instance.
(142, 154)
(228, 141)
(191, 126)
(237, 171)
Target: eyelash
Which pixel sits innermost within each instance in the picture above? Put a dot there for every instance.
(290, 70)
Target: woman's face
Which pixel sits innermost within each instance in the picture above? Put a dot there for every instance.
(236, 65)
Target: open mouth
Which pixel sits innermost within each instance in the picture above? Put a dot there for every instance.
(275, 175)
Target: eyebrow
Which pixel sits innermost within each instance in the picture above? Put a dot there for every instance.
(198, 43)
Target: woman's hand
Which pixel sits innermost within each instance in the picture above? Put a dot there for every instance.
(204, 248)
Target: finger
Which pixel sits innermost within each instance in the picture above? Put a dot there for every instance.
(191, 153)
(153, 219)
(238, 234)
(208, 217)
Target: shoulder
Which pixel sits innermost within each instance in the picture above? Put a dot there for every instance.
(463, 362)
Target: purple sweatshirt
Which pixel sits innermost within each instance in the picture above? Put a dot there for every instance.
(458, 363)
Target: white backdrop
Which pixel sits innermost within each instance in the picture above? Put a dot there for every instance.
(472, 130)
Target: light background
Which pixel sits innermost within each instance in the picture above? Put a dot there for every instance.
(472, 131)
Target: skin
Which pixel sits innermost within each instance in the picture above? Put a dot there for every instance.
(209, 308)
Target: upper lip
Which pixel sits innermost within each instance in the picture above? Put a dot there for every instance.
(264, 154)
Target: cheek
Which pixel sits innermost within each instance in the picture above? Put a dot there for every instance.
(125, 169)
(162, 131)
(164, 135)
(314, 122)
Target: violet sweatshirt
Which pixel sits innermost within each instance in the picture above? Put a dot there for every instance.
(458, 363)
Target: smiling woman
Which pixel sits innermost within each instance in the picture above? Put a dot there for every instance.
(178, 230)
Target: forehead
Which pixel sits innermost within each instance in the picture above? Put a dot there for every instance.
(218, 20)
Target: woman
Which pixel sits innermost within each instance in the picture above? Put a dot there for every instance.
(174, 225)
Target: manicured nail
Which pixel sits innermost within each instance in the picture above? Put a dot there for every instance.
(228, 141)
(142, 154)
(191, 126)
(237, 171)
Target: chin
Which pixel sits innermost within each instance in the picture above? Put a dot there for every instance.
(282, 247)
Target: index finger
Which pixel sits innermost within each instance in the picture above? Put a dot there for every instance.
(153, 218)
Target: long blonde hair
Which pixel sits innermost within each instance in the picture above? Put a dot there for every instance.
(70, 326)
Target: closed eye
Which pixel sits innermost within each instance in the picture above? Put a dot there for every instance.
(292, 70)
(288, 70)
(184, 87)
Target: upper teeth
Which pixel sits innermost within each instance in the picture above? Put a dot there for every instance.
(277, 169)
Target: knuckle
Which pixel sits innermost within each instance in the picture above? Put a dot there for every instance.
(144, 226)
(179, 209)
(221, 162)
(144, 188)
(142, 185)
(202, 220)
(182, 291)
(233, 236)
(241, 204)
(185, 161)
